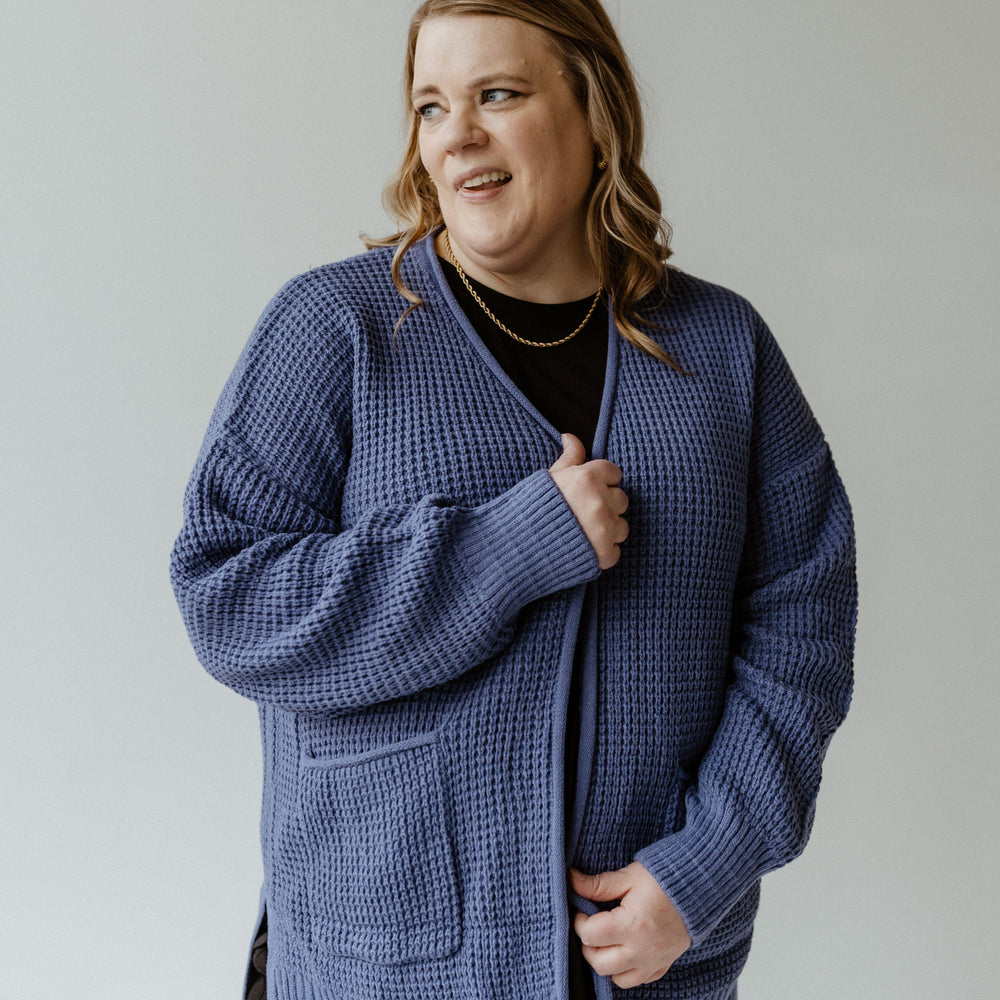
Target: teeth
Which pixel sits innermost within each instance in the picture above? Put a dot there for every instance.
(495, 175)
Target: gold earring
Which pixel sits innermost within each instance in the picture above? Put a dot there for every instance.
(602, 163)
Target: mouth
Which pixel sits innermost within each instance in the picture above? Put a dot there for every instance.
(486, 181)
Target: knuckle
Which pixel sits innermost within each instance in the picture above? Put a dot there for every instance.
(602, 964)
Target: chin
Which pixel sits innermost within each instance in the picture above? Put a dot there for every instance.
(492, 241)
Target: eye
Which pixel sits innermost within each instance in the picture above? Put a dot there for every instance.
(428, 112)
(495, 95)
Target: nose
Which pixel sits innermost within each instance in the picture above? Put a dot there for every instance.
(462, 130)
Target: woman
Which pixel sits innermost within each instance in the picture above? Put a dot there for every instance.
(506, 751)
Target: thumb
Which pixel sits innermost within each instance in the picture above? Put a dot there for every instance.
(601, 888)
(574, 453)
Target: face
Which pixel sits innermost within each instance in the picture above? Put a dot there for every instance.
(506, 143)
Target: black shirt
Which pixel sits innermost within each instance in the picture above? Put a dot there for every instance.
(564, 383)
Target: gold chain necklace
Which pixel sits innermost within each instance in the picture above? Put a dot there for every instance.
(509, 332)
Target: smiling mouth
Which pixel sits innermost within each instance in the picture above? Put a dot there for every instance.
(485, 182)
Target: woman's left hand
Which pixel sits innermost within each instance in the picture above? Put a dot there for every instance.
(639, 939)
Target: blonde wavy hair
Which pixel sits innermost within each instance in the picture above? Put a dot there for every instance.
(627, 236)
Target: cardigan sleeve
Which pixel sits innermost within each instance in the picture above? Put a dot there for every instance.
(287, 607)
(750, 807)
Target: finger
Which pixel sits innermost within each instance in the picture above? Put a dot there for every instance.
(602, 887)
(610, 558)
(618, 500)
(605, 929)
(573, 453)
(610, 552)
(613, 961)
(633, 977)
(609, 473)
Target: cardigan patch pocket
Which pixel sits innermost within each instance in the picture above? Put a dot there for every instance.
(381, 884)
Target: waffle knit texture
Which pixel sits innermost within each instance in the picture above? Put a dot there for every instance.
(374, 552)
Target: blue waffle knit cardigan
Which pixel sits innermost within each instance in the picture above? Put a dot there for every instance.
(374, 552)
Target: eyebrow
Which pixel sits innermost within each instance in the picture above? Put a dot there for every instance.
(477, 84)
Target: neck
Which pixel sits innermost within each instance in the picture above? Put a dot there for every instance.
(566, 278)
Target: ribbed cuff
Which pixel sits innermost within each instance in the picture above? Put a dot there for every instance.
(527, 543)
(706, 867)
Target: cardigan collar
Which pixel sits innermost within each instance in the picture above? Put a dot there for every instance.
(428, 256)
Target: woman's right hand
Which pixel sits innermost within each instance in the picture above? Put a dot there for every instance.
(592, 492)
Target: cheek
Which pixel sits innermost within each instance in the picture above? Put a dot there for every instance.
(555, 151)
(425, 149)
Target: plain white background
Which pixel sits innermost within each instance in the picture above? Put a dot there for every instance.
(167, 166)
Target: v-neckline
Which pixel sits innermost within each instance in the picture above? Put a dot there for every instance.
(434, 265)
